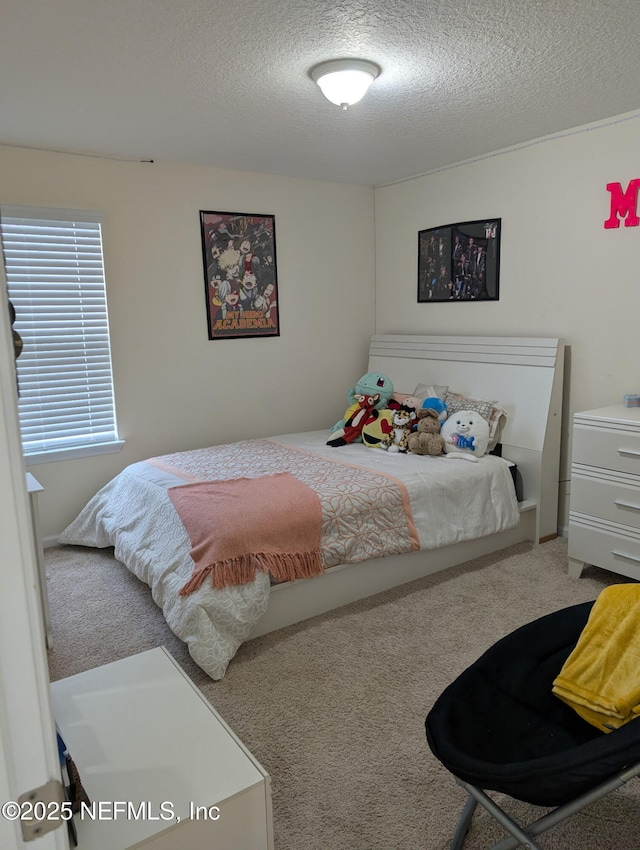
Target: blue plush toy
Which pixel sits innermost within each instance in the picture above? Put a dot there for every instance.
(373, 383)
(438, 405)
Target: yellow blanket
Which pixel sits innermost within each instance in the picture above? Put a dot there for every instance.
(601, 677)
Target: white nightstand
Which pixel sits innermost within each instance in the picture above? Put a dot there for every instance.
(142, 734)
(604, 520)
(34, 488)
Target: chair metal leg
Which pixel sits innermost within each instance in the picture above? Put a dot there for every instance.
(463, 823)
(523, 836)
(563, 812)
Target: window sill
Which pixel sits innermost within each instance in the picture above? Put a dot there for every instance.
(79, 451)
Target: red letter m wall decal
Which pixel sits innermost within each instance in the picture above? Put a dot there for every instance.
(623, 204)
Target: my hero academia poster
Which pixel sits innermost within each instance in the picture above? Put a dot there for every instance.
(240, 277)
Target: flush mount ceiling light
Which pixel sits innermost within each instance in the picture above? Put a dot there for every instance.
(344, 81)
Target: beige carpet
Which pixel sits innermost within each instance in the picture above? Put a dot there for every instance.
(334, 708)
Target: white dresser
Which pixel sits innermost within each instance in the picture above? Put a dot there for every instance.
(162, 769)
(604, 517)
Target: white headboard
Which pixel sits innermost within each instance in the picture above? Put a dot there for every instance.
(523, 374)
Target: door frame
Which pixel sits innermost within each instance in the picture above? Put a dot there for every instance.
(28, 750)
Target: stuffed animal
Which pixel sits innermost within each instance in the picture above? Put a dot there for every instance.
(411, 401)
(364, 414)
(436, 403)
(373, 433)
(398, 439)
(373, 383)
(427, 440)
(466, 435)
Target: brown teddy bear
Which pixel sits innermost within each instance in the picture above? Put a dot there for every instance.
(427, 440)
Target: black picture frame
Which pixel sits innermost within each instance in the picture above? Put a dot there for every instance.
(460, 262)
(240, 274)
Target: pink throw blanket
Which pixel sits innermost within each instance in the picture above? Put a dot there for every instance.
(271, 523)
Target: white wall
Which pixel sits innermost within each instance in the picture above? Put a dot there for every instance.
(176, 389)
(562, 274)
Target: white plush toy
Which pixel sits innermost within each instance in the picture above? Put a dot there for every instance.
(466, 435)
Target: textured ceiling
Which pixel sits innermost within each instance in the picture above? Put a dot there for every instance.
(226, 83)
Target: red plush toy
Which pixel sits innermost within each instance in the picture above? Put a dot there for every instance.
(364, 414)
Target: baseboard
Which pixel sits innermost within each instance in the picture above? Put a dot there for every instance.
(48, 542)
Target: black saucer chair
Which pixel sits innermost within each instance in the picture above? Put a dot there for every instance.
(498, 727)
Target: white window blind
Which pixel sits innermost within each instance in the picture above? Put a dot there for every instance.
(55, 276)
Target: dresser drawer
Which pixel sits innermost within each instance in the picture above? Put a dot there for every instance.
(606, 495)
(609, 448)
(610, 550)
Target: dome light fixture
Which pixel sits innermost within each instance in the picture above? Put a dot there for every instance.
(344, 81)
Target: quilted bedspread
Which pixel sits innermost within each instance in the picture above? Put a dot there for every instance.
(373, 505)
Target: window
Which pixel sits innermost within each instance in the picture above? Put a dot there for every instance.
(55, 277)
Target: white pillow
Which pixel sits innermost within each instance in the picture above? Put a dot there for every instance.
(423, 391)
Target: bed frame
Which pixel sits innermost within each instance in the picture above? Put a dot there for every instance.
(525, 376)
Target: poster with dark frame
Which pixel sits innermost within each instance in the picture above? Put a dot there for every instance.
(460, 262)
(240, 275)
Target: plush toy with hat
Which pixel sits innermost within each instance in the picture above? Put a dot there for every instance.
(437, 404)
(371, 384)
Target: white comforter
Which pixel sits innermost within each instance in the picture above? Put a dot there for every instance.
(450, 500)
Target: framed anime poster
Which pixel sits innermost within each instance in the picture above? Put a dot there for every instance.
(240, 276)
(460, 262)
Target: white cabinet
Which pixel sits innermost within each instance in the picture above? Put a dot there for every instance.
(162, 769)
(604, 517)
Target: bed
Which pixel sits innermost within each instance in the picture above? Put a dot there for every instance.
(384, 519)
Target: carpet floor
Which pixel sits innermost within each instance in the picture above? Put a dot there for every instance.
(334, 708)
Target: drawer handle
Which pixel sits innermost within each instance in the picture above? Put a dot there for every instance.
(622, 504)
(628, 452)
(628, 557)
